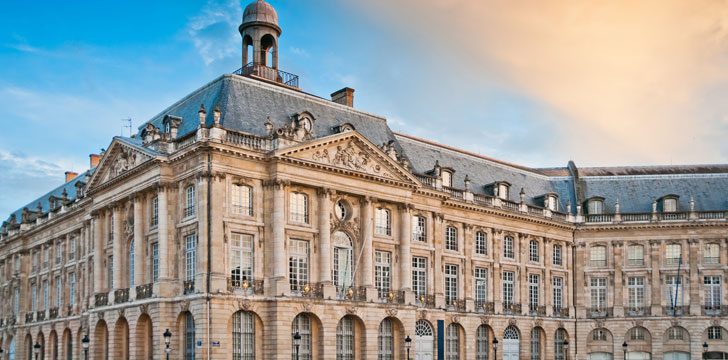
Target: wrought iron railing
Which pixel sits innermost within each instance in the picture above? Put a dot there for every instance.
(121, 296)
(596, 313)
(53, 313)
(12, 320)
(393, 297)
(424, 300)
(537, 310)
(247, 287)
(677, 310)
(455, 305)
(189, 287)
(717, 310)
(29, 317)
(514, 309)
(639, 311)
(352, 293)
(268, 73)
(562, 312)
(40, 315)
(486, 307)
(101, 299)
(144, 291)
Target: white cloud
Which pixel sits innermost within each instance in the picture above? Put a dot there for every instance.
(214, 32)
(298, 51)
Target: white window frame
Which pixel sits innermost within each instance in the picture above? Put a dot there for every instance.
(190, 207)
(558, 286)
(451, 238)
(452, 342)
(596, 206)
(669, 204)
(154, 221)
(155, 262)
(558, 255)
(711, 253)
(446, 178)
(598, 291)
(481, 243)
(419, 228)
(298, 264)
(190, 257)
(383, 273)
(383, 221)
(72, 288)
(481, 285)
(673, 254)
(636, 293)
(508, 247)
(298, 207)
(534, 291)
(598, 256)
(509, 285)
(59, 292)
(72, 249)
(131, 264)
(419, 275)
(451, 283)
(385, 340)
(715, 333)
(672, 283)
(241, 197)
(345, 337)
(242, 258)
(636, 255)
(713, 291)
(110, 271)
(243, 335)
(533, 253)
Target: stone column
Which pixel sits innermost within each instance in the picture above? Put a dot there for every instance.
(497, 238)
(405, 253)
(162, 232)
(548, 293)
(469, 292)
(277, 274)
(581, 296)
(118, 244)
(324, 235)
(438, 270)
(139, 243)
(694, 280)
(656, 284)
(522, 281)
(98, 252)
(365, 267)
(618, 260)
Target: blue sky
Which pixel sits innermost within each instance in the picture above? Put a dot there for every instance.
(70, 71)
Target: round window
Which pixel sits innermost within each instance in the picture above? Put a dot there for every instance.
(340, 210)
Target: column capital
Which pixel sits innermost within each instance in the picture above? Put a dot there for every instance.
(406, 207)
(368, 200)
(325, 192)
(276, 183)
(655, 243)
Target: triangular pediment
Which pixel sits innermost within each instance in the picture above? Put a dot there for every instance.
(119, 159)
(350, 151)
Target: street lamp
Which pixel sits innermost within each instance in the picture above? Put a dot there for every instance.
(36, 350)
(624, 347)
(407, 345)
(566, 349)
(705, 350)
(167, 338)
(495, 348)
(84, 344)
(297, 342)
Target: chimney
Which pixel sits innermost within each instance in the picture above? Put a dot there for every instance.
(94, 159)
(344, 96)
(70, 175)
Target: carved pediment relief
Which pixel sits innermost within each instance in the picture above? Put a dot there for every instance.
(350, 151)
(119, 159)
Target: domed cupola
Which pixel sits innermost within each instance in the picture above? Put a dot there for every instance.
(260, 12)
(260, 31)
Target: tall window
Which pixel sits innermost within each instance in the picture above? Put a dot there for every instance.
(481, 343)
(559, 338)
(558, 255)
(508, 284)
(243, 336)
(35, 261)
(385, 340)
(241, 258)
(59, 292)
(383, 222)
(673, 287)
(446, 179)
(598, 256)
(712, 292)
(419, 275)
(598, 294)
(110, 274)
(504, 191)
(298, 264)
(636, 255)
(242, 200)
(345, 339)
(508, 248)
(72, 288)
(533, 291)
(533, 251)
(711, 254)
(715, 333)
(16, 302)
(189, 336)
(451, 283)
(343, 261)
(302, 326)
(481, 285)
(481, 245)
(59, 253)
(190, 257)
(111, 229)
(190, 201)
(383, 273)
(596, 206)
(636, 293)
(536, 344)
(45, 294)
(298, 211)
(131, 264)
(72, 249)
(672, 254)
(419, 229)
(558, 292)
(155, 211)
(155, 261)
(452, 340)
(451, 238)
(33, 296)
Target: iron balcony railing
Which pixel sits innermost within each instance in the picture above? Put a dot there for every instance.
(715, 310)
(487, 307)
(121, 296)
(514, 309)
(596, 313)
(534, 310)
(189, 287)
(53, 313)
(562, 312)
(424, 300)
(40, 315)
(677, 310)
(101, 299)
(268, 73)
(29, 317)
(144, 291)
(455, 305)
(639, 311)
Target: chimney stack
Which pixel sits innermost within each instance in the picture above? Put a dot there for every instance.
(70, 175)
(344, 96)
(94, 159)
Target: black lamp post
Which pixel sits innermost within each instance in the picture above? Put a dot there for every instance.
(297, 342)
(705, 350)
(407, 345)
(566, 349)
(36, 350)
(84, 344)
(624, 347)
(495, 348)
(1, 352)
(167, 338)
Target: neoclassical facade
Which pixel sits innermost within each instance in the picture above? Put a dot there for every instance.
(249, 211)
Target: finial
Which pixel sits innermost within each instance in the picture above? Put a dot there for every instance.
(268, 126)
(202, 114)
(523, 195)
(616, 206)
(216, 114)
(692, 203)
(467, 183)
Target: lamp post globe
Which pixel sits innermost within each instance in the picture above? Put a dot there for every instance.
(495, 348)
(167, 339)
(297, 342)
(705, 349)
(566, 349)
(624, 348)
(36, 349)
(84, 343)
(407, 345)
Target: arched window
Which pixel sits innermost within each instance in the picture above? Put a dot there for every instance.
(481, 343)
(342, 269)
(596, 206)
(536, 344)
(345, 339)
(189, 336)
(302, 325)
(510, 333)
(715, 333)
(599, 335)
(243, 335)
(533, 251)
(386, 340)
(559, 338)
(452, 340)
(677, 333)
(508, 251)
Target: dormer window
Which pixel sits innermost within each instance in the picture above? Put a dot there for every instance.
(669, 203)
(446, 178)
(551, 202)
(595, 206)
(167, 127)
(504, 190)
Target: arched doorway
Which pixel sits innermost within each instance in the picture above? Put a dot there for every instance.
(41, 341)
(389, 337)
(121, 339)
(247, 329)
(511, 343)
(424, 341)
(28, 347)
(482, 342)
(101, 341)
(716, 355)
(54, 345)
(67, 344)
(309, 327)
(537, 341)
(144, 338)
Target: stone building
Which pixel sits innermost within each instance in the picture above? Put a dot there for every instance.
(249, 211)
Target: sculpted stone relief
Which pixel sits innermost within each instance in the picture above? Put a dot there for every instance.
(350, 156)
